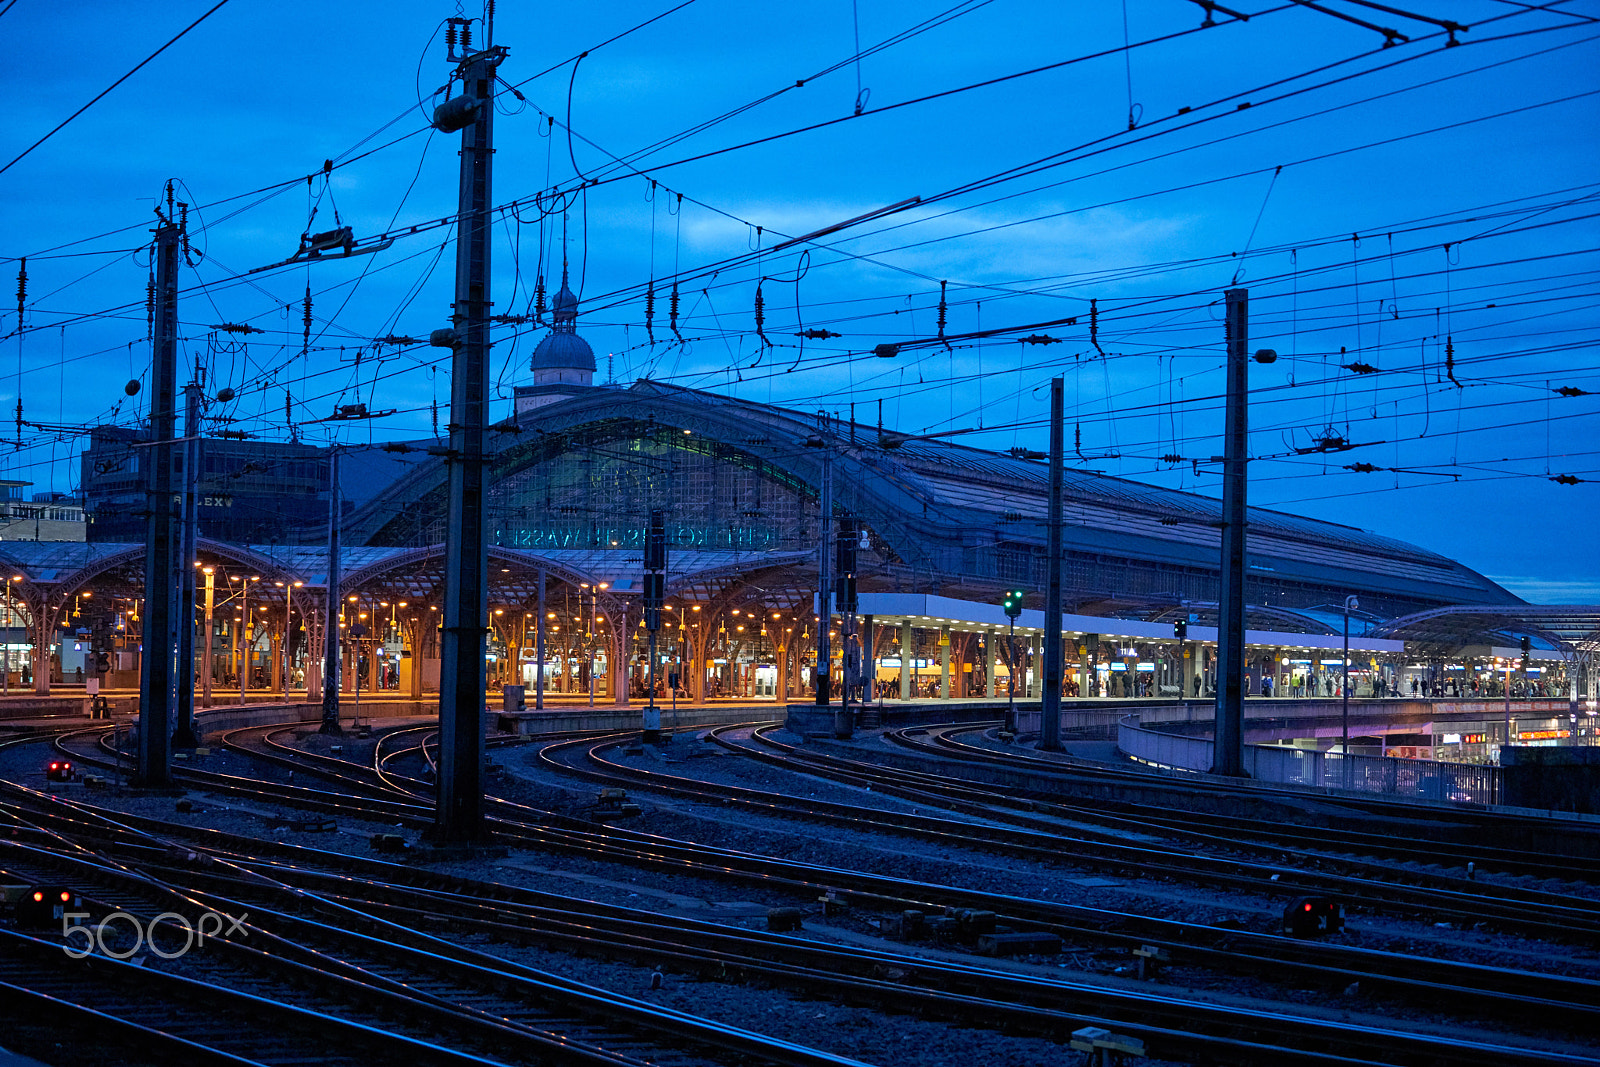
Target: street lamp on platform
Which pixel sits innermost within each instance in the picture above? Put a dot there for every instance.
(1350, 604)
(288, 610)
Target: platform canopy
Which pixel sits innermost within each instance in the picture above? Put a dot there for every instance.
(1573, 630)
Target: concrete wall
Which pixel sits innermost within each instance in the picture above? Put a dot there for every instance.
(1554, 779)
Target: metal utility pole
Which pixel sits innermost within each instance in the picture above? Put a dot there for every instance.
(825, 583)
(1011, 676)
(330, 629)
(161, 548)
(1507, 740)
(1350, 604)
(655, 596)
(845, 596)
(538, 697)
(5, 668)
(458, 817)
(1050, 705)
(183, 734)
(1229, 746)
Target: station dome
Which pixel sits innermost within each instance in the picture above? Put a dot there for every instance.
(563, 350)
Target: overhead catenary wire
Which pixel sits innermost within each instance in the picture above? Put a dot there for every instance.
(595, 307)
(107, 90)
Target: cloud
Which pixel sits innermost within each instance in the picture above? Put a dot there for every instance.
(980, 246)
(1552, 590)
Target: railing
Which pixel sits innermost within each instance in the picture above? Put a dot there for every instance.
(1428, 779)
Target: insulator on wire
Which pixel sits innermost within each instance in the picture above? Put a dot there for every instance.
(944, 309)
(466, 38)
(305, 318)
(450, 36)
(650, 312)
(761, 314)
(150, 307)
(1094, 325)
(672, 312)
(538, 298)
(22, 288)
(183, 232)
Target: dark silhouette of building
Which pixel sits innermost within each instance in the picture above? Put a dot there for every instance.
(249, 492)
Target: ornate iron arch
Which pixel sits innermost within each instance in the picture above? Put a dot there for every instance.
(412, 557)
(1565, 627)
(780, 446)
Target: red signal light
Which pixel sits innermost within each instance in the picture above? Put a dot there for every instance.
(65, 896)
(38, 897)
(1308, 907)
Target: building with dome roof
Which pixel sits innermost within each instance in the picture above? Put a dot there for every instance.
(563, 363)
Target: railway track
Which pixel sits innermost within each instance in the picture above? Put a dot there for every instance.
(1566, 851)
(1037, 830)
(541, 830)
(1455, 834)
(439, 1002)
(1167, 1022)
(1474, 983)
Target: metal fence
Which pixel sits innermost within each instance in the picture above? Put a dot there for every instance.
(1428, 779)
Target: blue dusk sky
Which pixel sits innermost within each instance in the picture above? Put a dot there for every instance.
(1410, 199)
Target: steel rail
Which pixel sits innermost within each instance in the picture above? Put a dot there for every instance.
(256, 1027)
(1541, 913)
(1524, 862)
(359, 957)
(656, 848)
(1141, 1008)
(1468, 821)
(1086, 922)
(960, 793)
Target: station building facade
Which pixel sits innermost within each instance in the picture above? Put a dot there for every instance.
(574, 481)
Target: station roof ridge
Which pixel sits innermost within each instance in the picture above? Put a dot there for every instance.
(942, 461)
(937, 506)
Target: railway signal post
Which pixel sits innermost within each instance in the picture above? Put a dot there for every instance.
(1012, 603)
